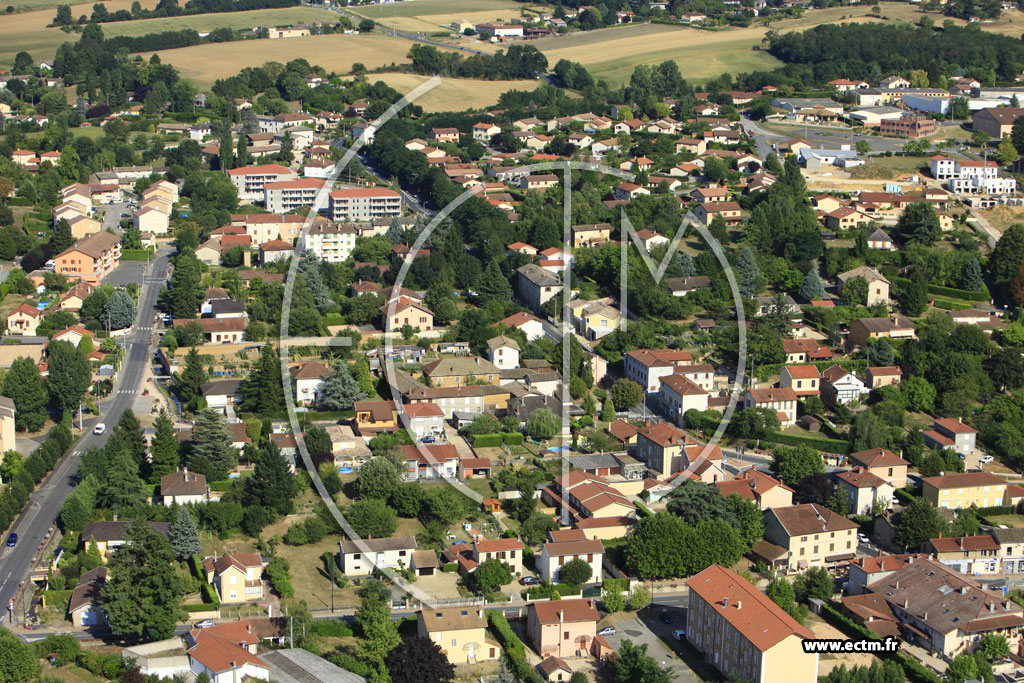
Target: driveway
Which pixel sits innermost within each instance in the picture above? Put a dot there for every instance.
(127, 271)
(649, 630)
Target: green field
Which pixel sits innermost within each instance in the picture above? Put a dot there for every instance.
(419, 8)
(232, 20)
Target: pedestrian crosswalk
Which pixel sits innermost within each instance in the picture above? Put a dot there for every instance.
(127, 391)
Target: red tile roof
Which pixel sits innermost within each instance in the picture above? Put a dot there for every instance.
(563, 611)
(965, 480)
(759, 620)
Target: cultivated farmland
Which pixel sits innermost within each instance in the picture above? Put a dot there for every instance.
(454, 94)
(233, 20)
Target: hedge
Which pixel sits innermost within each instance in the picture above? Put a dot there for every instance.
(952, 292)
(505, 636)
(326, 627)
(196, 565)
(209, 595)
(949, 305)
(905, 496)
(513, 438)
(621, 584)
(19, 201)
(201, 607)
(487, 440)
(449, 567)
(818, 443)
(642, 510)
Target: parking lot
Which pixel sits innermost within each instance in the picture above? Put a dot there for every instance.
(649, 629)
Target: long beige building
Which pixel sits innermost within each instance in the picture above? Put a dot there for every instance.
(743, 634)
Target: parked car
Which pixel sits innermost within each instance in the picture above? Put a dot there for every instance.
(529, 581)
(99, 429)
(986, 459)
(679, 633)
(607, 631)
(666, 618)
(861, 538)
(428, 439)
(205, 623)
(12, 540)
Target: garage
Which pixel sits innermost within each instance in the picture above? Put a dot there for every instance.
(424, 562)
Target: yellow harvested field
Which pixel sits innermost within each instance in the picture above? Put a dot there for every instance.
(421, 8)
(430, 23)
(613, 53)
(1011, 23)
(27, 31)
(207, 63)
(454, 94)
(233, 20)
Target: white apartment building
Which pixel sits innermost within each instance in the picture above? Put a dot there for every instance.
(288, 195)
(971, 177)
(251, 180)
(364, 203)
(331, 242)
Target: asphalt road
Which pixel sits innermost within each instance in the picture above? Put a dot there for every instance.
(44, 504)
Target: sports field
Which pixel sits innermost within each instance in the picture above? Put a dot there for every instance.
(207, 63)
(454, 94)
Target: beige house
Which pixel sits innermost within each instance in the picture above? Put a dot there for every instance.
(460, 632)
(865, 490)
(743, 634)
(660, 447)
(964, 490)
(878, 286)
(864, 329)
(84, 608)
(782, 401)
(568, 545)
(407, 312)
(458, 371)
(812, 535)
(591, 235)
(883, 463)
(508, 550)
(969, 555)
(759, 487)
(6, 426)
(23, 320)
(236, 577)
(82, 226)
(564, 628)
(804, 380)
(536, 286)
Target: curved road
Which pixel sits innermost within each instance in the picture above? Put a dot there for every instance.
(35, 522)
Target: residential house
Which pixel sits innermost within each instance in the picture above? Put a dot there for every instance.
(109, 536)
(679, 394)
(84, 608)
(729, 211)
(759, 487)
(530, 325)
(458, 371)
(866, 491)
(969, 555)
(250, 181)
(536, 286)
(23, 320)
(221, 395)
(460, 633)
(879, 239)
(804, 351)
(883, 463)
(405, 311)
(878, 286)
(507, 550)
(434, 461)
(949, 433)
(864, 329)
(782, 401)
(841, 386)
(372, 417)
(183, 488)
(503, 352)
(884, 376)
(626, 191)
(595, 319)
(804, 380)
(958, 491)
(660, 446)
(306, 381)
(359, 558)
(423, 419)
(591, 235)
(73, 298)
(564, 628)
(647, 367)
(568, 545)
(812, 535)
(742, 633)
(1011, 552)
(226, 653)
(237, 577)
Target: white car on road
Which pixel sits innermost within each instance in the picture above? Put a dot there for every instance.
(99, 429)
(986, 459)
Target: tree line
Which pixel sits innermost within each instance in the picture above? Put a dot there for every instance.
(521, 61)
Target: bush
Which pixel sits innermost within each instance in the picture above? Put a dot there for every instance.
(906, 496)
(611, 584)
(496, 597)
(57, 598)
(326, 627)
(449, 567)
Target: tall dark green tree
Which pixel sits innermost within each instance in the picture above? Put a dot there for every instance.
(184, 534)
(62, 237)
(142, 595)
(69, 375)
(271, 485)
(918, 522)
(970, 278)
(163, 449)
(211, 452)
(24, 385)
(262, 391)
(129, 438)
(812, 288)
(338, 389)
(747, 272)
(493, 285)
(191, 378)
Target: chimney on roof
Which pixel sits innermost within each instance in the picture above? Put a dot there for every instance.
(561, 616)
(725, 601)
(739, 604)
(991, 607)
(906, 603)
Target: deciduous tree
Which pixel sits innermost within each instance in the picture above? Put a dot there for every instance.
(418, 659)
(25, 387)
